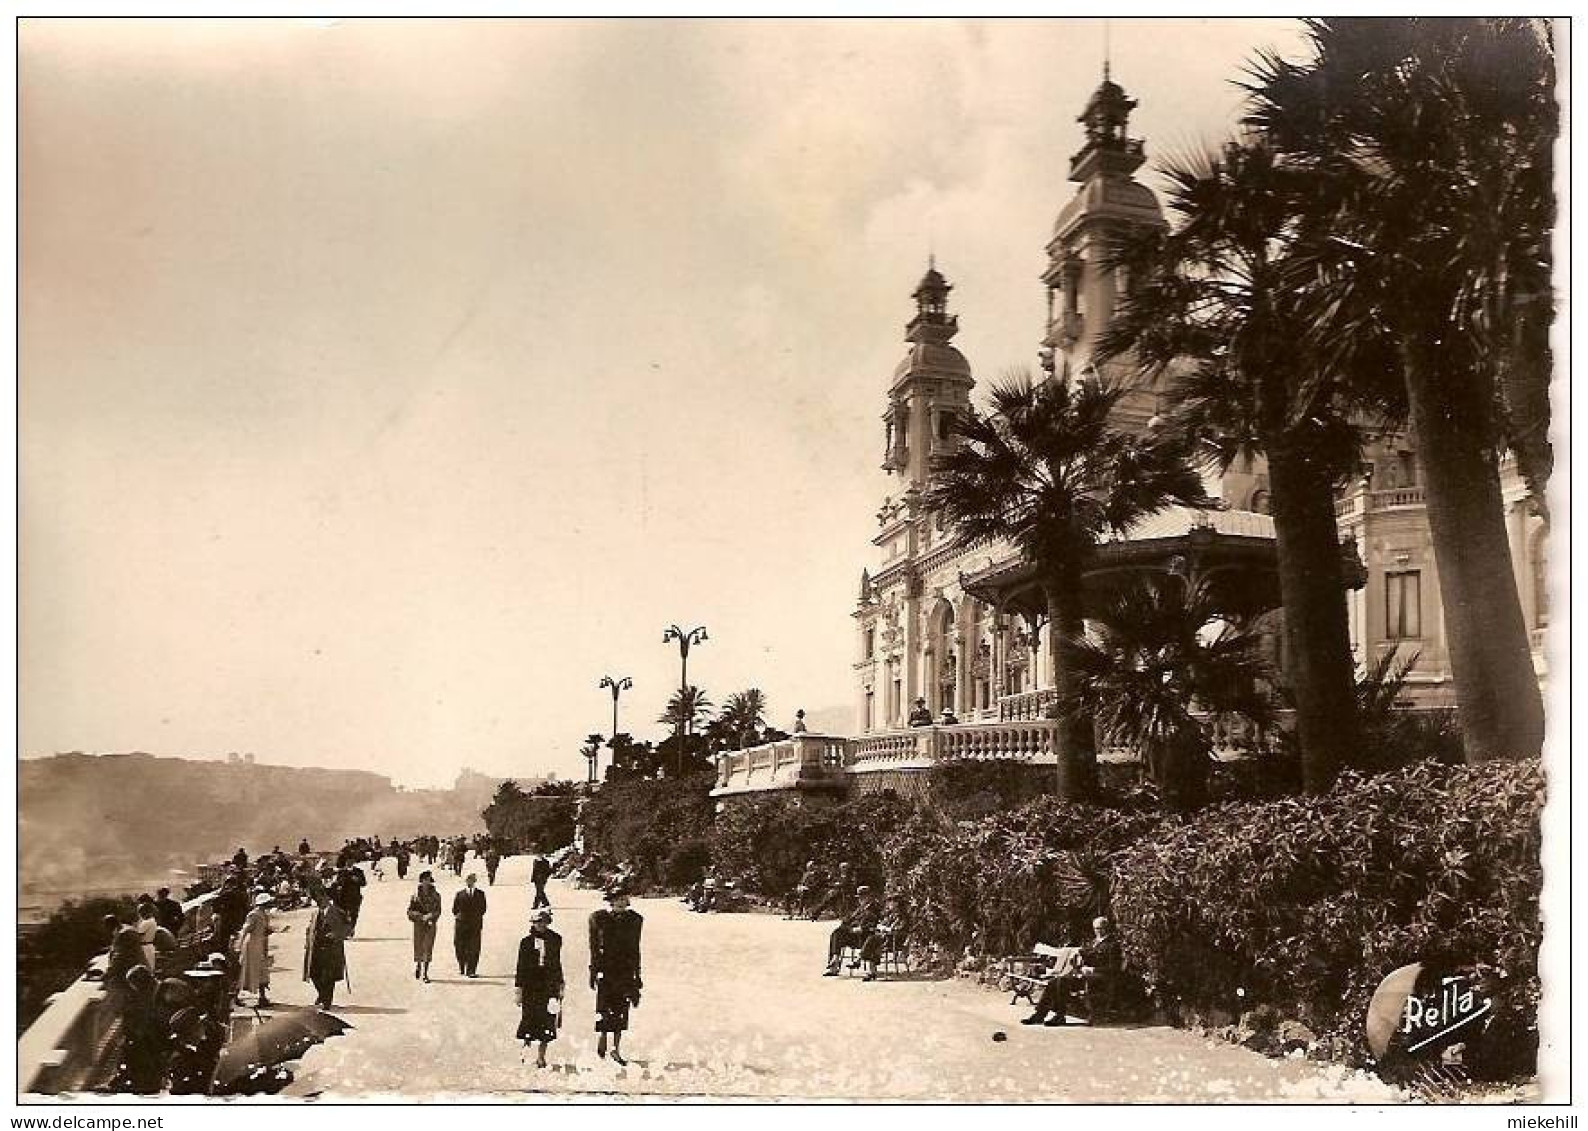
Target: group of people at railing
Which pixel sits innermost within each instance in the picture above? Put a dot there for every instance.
(173, 974)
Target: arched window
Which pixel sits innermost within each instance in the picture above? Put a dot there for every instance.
(1259, 501)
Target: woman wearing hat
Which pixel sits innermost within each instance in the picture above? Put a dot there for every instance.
(424, 911)
(253, 951)
(614, 967)
(539, 983)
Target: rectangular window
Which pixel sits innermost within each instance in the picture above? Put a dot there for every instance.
(1403, 605)
(871, 643)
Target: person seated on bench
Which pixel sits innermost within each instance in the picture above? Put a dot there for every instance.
(801, 900)
(852, 930)
(1100, 960)
(885, 936)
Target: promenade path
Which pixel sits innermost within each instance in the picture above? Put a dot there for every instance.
(734, 1005)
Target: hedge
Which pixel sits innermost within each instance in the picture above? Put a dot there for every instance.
(764, 843)
(999, 885)
(1306, 903)
(661, 827)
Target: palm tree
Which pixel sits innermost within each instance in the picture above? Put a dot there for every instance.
(1150, 655)
(742, 715)
(1046, 469)
(687, 710)
(1435, 136)
(592, 751)
(1214, 306)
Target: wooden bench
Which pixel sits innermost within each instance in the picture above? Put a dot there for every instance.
(1029, 974)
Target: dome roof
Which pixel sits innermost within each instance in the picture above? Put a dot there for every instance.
(1117, 197)
(933, 359)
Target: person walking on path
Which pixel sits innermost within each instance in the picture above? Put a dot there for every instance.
(539, 983)
(253, 951)
(402, 855)
(493, 861)
(349, 894)
(324, 955)
(614, 967)
(468, 920)
(539, 873)
(424, 911)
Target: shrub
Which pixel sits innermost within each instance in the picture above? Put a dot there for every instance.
(1002, 884)
(977, 789)
(542, 821)
(650, 823)
(1306, 903)
(764, 843)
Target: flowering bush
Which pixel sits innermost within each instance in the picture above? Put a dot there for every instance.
(1306, 903)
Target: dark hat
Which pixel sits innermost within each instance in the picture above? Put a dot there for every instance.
(426, 875)
(615, 891)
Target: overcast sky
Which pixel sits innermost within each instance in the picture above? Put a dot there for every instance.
(385, 384)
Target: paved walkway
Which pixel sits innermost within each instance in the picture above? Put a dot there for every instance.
(734, 1005)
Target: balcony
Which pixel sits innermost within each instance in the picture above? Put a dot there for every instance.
(1394, 498)
(921, 747)
(801, 762)
(1026, 705)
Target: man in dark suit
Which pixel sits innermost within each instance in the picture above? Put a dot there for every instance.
(167, 911)
(1101, 960)
(324, 956)
(538, 979)
(614, 967)
(853, 929)
(539, 873)
(468, 921)
(348, 894)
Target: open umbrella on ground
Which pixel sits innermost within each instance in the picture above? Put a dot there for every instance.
(1389, 1001)
(261, 1043)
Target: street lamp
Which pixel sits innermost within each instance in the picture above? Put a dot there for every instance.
(685, 638)
(618, 686)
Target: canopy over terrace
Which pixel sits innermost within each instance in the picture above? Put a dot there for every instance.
(1234, 548)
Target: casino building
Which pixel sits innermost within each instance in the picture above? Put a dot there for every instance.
(961, 624)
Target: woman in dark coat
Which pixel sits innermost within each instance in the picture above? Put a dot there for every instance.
(424, 911)
(614, 967)
(539, 983)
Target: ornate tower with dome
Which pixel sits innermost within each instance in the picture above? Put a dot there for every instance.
(1082, 287)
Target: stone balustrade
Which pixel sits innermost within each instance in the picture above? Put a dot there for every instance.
(801, 761)
(72, 1044)
(1026, 705)
(1395, 497)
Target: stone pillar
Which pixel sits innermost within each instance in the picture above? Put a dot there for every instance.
(910, 688)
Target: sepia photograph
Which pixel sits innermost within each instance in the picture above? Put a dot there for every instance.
(738, 560)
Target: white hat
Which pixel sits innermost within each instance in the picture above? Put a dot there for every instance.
(263, 898)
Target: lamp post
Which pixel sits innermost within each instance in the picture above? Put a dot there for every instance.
(618, 687)
(685, 638)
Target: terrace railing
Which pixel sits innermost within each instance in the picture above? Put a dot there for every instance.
(73, 1046)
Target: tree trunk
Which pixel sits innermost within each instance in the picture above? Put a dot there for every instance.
(1077, 740)
(1317, 626)
(1501, 707)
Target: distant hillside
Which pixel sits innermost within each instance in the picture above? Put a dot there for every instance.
(91, 819)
